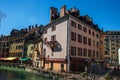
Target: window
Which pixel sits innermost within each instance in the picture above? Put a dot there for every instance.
(73, 24)
(113, 52)
(93, 43)
(113, 44)
(73, 51)
(93, 53)
(89, 41)
(7, 44)
(79, 38)
(97, 36)
(16, 47)
(84, 52)
(85, 29)
(45, 31)
(118, 33)
(19, 47)
(93, 33)
(97, 55)
(101, 42)
(79, 51)
(53, 28)
(44, 51)
(97, 44)
(32, 47)
(90, 32)
(106, 36)
(79, 27)
(3, 50)
(112, 36)
(73, 36)
(113, 48)
(53, 38)
(45, 41)
(116, 36)
(89, 53)
(3, 44)
(85, 40)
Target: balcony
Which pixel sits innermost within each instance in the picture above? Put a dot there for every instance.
(52, 44)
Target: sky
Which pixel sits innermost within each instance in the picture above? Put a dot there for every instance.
(22, 13)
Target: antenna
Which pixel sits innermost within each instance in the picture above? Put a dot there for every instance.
(2, 15)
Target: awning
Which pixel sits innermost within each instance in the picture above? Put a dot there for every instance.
(25, 59)
(11, 58)
(2, 59)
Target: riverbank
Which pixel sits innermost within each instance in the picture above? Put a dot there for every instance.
(49, 73)
(12, 68)
(7, 74)
(55, 75)
(31, 70)
(24, 71)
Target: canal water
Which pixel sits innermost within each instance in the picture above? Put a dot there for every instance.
(16, 75)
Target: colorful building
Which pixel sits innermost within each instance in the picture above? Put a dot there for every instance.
(33, 45)
(4, 46)
(112, 44)
(70, 40)
(17, 42)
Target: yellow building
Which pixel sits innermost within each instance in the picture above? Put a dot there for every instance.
(37, 53)
(17, 47)
(33, 45)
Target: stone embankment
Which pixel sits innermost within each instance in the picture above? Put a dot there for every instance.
(56, 75)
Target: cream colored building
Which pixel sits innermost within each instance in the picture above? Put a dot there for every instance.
(37, 54)
(69, 40)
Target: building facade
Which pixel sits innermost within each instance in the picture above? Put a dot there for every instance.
(4, 46)
(34, 49)
(37, 53)
(112, 44)
(17, 42)
(102, 45)
(70, 40)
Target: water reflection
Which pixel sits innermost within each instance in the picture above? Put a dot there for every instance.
(12, 75)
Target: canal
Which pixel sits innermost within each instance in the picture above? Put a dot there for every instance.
(16, 75)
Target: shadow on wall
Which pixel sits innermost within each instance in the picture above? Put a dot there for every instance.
(58, 48)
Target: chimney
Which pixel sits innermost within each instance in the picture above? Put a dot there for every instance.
(29, 28)
(62, 11)
(53, 13)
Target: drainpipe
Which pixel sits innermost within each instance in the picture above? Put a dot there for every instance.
(41, 43)
(23, 50)
(68, 45)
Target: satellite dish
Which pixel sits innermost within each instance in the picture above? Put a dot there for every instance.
(119, 56)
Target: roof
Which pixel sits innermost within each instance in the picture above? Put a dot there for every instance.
(66, 17)
(59, 20)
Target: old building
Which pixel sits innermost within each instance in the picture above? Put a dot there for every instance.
(17, 42)
(102, 45)
(33, 45)
(70, 40)
(112, 44)
(4, 46)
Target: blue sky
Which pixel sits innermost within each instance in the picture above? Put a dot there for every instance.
(22, 13)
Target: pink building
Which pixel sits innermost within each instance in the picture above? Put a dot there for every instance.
(70, 40)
